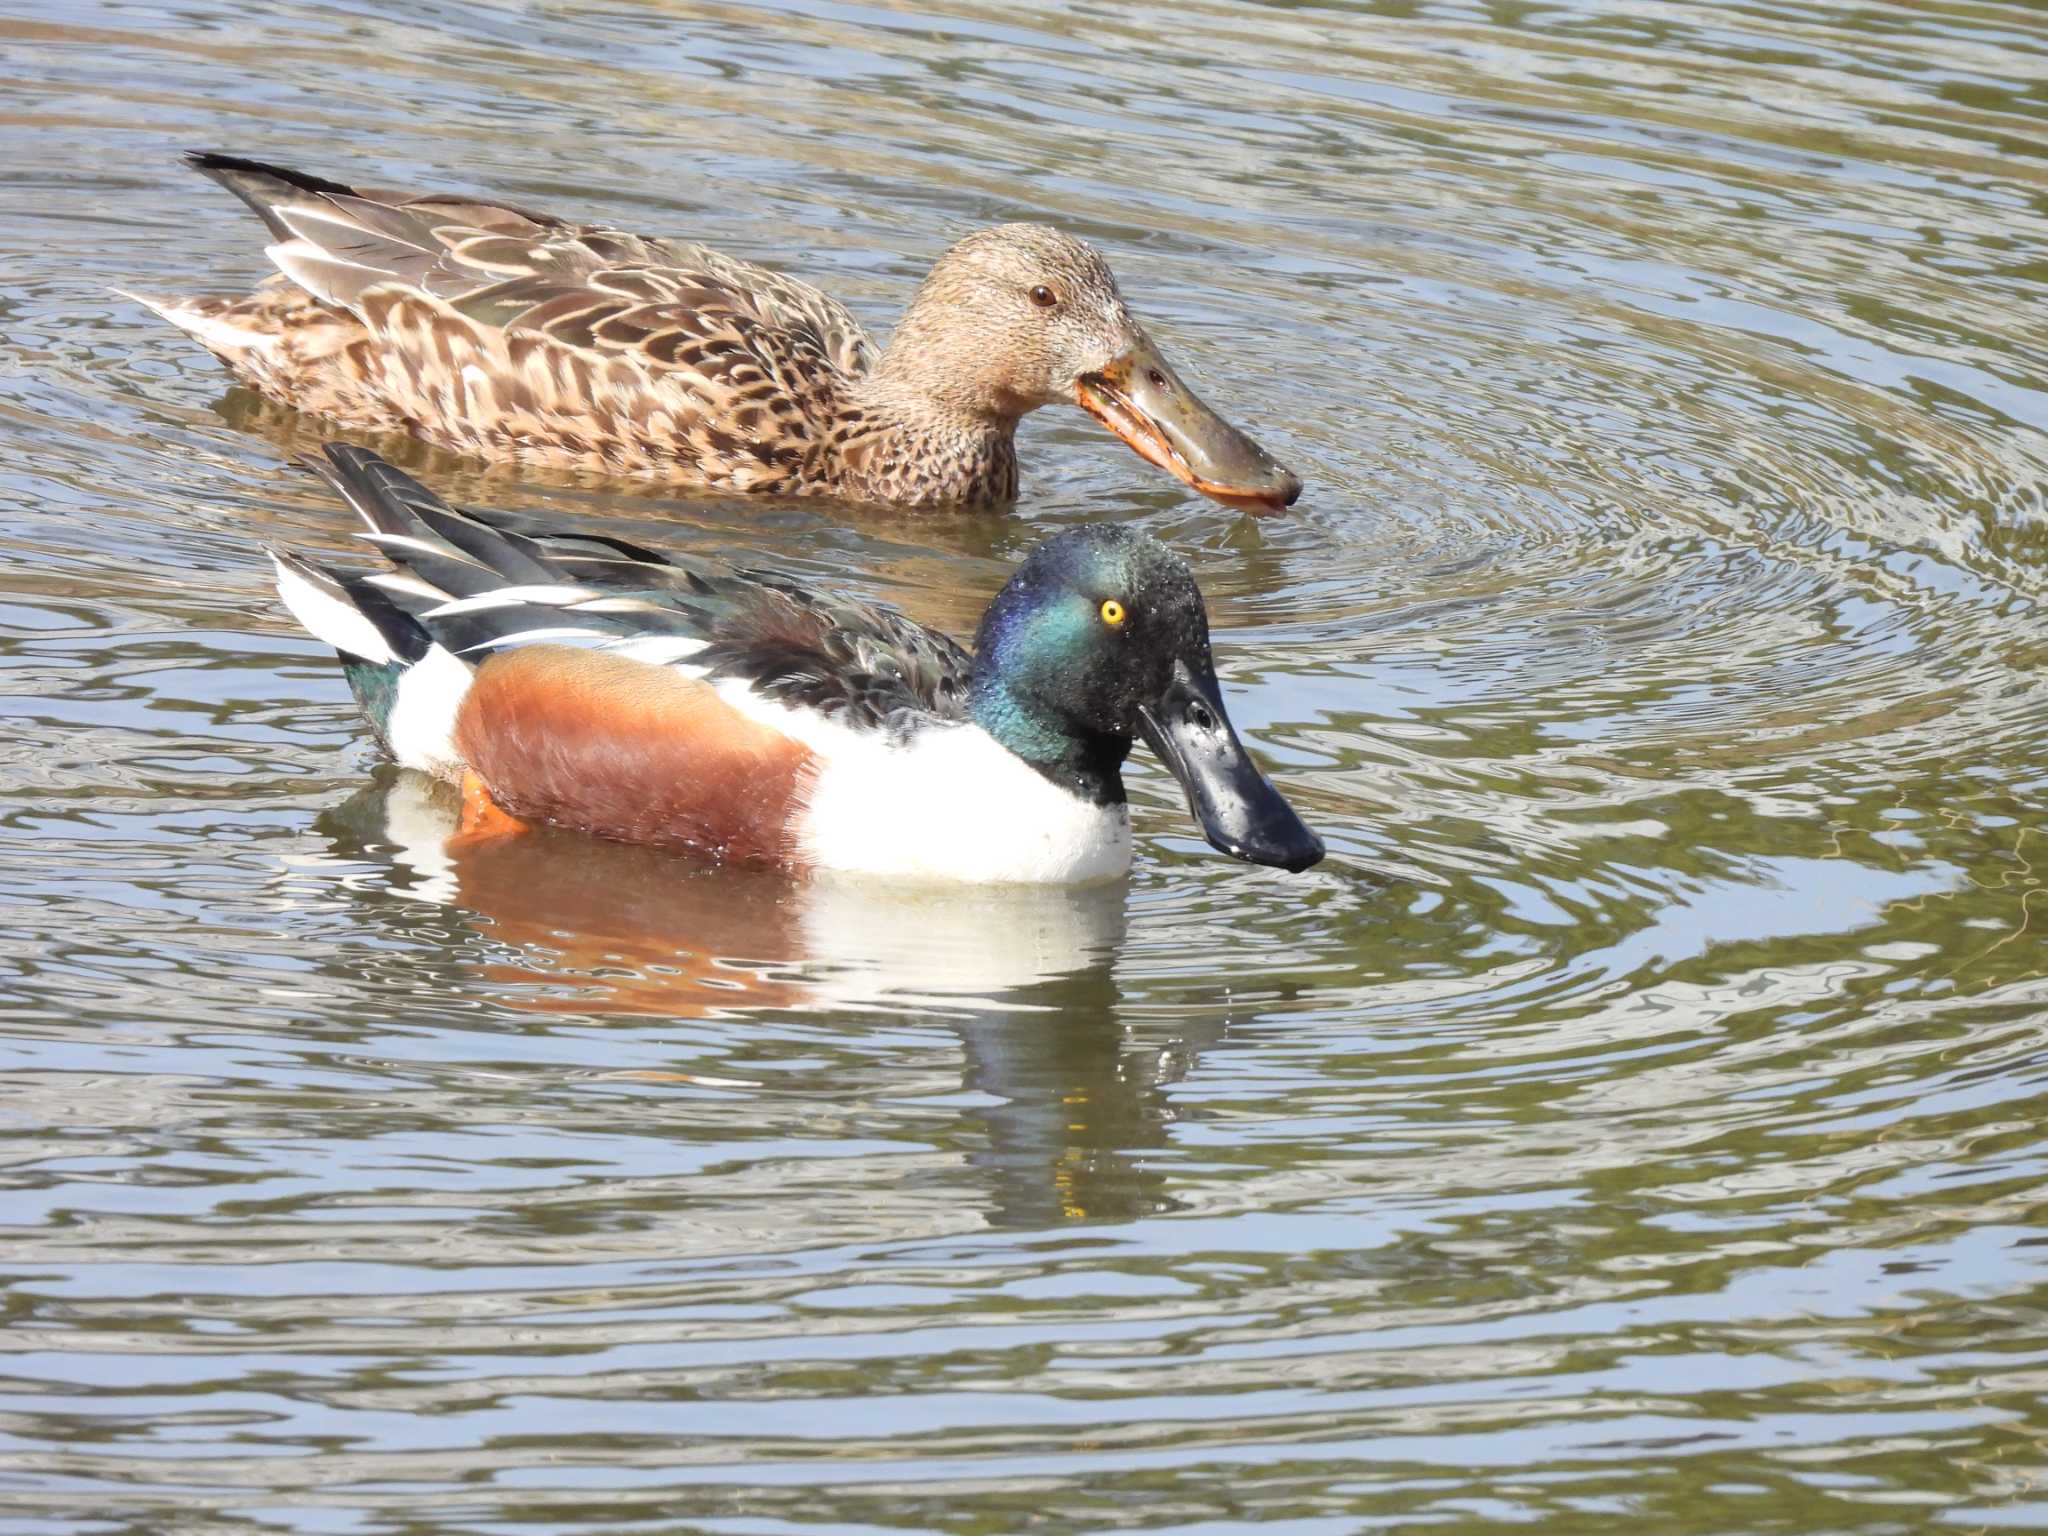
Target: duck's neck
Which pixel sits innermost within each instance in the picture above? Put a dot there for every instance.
(924, 430)
(1089, 768)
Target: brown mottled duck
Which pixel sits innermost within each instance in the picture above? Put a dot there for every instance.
(518, 336)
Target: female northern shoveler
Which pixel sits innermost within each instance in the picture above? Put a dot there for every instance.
(584, 680)
(509, 334)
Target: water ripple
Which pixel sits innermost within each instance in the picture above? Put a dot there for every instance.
(1636, 1122)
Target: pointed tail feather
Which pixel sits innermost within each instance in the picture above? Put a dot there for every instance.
(330, 239)
(470, 585)
(411, 523)
(263, 186)
(210, 322)
(389, 503)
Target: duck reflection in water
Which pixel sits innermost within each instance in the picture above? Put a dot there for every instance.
(1068, 1099)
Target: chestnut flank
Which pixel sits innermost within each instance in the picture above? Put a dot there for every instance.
(633, 752)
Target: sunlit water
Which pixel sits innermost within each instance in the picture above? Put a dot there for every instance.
(1636, 1125)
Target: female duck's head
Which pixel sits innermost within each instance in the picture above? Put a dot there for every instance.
(1024, 315)
(1102, 637)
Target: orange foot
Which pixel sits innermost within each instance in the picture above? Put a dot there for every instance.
(482, 817)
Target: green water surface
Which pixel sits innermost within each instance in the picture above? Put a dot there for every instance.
(1636, 1125)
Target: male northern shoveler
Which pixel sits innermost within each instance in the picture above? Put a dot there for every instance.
(584, 680)
(508, 334)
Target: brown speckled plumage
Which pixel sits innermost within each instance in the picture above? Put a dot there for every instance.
(514, 335)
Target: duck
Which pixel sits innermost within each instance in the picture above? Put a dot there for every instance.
(583, 680)
(517, 336)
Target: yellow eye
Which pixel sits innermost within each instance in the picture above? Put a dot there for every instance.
(1112, 612)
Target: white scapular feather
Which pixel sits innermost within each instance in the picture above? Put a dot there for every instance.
(401, 581)
(533, 636)
(618, 605)
(513, 597)
(658, 650)
(424, 546)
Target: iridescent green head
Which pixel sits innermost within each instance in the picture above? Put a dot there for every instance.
(1102, 637)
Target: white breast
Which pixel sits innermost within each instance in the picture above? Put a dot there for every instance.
(422, 726)
(953, 804)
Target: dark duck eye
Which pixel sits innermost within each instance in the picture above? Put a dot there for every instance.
(1044, 297)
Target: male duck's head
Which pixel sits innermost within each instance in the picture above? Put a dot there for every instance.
(1102, 637)
(1023, 315)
